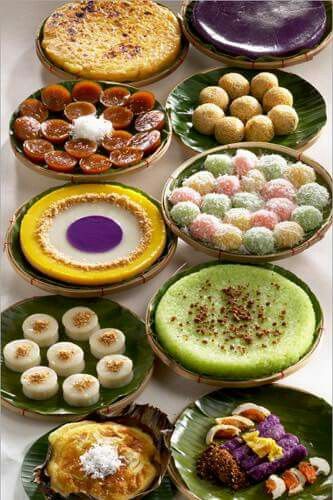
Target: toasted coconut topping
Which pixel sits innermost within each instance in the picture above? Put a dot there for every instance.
(108, 338)
(37, 377)
(83, 384)
(65, 354)
(82, 318)
(114, 366)
(40, 325)
(22, 351)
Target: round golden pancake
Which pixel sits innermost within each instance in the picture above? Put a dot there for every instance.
(114, 40)
(54, 267)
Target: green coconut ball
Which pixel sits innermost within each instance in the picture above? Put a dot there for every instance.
(219, 164)
(313, 194)
(184, 213)
(308, 217)
(259, 241)
(250, 201)
(216, 204)
(272, 166)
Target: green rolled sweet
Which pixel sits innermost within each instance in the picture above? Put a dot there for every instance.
(216, 204)
(313, 194)
(219, 164)
(184, 213)
(259, 241)
(308, 217)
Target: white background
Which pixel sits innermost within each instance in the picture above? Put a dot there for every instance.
(21, 74)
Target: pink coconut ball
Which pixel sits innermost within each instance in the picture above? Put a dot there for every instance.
(264, 218)
(282, 207)
(204, 227)
(227, 184)
(184, 194)
(278, 188)
(244, 161)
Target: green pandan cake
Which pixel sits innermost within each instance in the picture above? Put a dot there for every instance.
(235, 321)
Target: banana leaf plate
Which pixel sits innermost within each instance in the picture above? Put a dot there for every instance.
(243, 61)
(308, 102)
(77, 175)
(34, 277)
(196, 163)
(59, 72)
(177, 367)
(36, 456)
(305, 415)
(110, 314)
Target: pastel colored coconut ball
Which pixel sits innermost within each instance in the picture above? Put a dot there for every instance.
(205, 117)
(278, 188)
(245, 107)
(282, 207)
(214, 95)
(288, 234)
(299, 174)
(272, 166)
(204, 227)
(219, 164)
(184, 194)
(216, 204)
(263, 82)
(259, 241)
(202, 181)
(227, 184)
(184, 213)
(276, 96)
(235, 84)
(239, 217)
(250, 201)
(253, 182)
(228, 238)
(284, 118)
(264, 218)
(259, 129)
(229, 130)
(313, 194)
(308, 217)
(244, 161)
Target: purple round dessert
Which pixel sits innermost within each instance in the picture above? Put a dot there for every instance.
(94, 234)
(260, 29)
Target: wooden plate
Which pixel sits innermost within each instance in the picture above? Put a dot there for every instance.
(194, 164)
(34, 277)
(110, 314)
(176, 367)
(244, 62)
(77, 175)
(308, 102)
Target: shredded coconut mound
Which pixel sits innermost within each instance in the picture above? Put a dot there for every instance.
(101, 460)
(92, 128)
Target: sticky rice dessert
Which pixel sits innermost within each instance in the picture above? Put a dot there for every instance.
(235, 322)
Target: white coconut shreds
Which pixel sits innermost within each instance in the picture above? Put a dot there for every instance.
(101, 460)
(92, 128)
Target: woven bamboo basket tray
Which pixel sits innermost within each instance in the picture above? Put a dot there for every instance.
(59, 288)
(322, 174)
(55, 70)
(275, 63)
(166, 136)
(177, 368)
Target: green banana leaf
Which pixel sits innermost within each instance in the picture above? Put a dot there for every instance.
(280, 270)
(110, 314)
(165, 132)
(307, 416)
(197, 164)
(308, 102)
(35, 456)
(214, 50)
(24, 266)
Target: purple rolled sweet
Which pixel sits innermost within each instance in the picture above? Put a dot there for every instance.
(291, 457)
(260, 29)
(288, 441)
(271, 428)
(232, 444)
(250, 460)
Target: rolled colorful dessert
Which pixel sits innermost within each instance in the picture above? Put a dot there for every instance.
(260, 29)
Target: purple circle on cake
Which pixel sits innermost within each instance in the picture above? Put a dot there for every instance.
(94, 234)
(260, 28)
